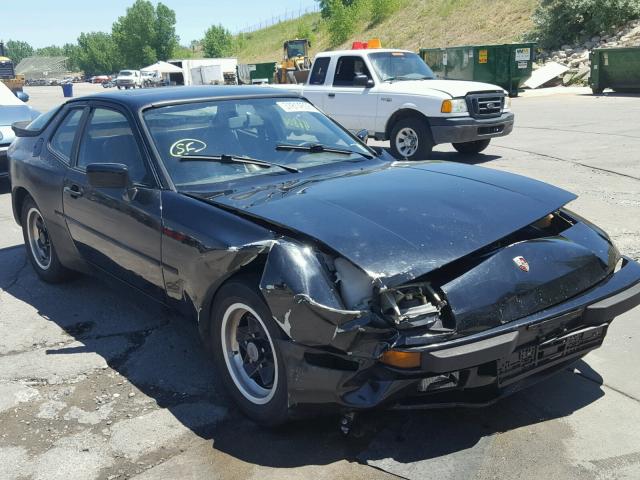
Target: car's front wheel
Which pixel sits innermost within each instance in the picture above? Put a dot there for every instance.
(472, 147)
(40, 249)
(411, 139)
(244, 338)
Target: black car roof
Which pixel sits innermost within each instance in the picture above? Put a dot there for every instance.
(136, 99)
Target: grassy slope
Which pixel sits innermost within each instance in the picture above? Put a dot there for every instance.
(418, 23)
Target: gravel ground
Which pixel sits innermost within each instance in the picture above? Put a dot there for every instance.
(97, 385)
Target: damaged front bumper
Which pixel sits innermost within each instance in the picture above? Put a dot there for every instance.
(471, 370)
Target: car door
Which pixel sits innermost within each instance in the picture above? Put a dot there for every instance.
(355, 107)
(117, 230)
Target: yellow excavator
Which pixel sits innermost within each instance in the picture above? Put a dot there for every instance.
(296, 63)
(8, 72)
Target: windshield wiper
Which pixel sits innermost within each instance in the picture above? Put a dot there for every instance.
(224, 158)
(319, 148)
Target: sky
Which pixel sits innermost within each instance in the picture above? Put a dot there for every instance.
(48, 22)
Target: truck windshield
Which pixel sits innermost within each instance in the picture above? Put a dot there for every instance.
(125, 73)
(218, 141)
(400, 66)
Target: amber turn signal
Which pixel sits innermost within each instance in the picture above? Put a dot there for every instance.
(396, 358)
(447, 106)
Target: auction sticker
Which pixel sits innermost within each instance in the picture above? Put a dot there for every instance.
(186, 146)
(293, 107)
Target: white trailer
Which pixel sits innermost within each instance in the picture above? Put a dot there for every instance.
(203, 71)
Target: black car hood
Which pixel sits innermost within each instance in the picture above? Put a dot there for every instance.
(403, 220)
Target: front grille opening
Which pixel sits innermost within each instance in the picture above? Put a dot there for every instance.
(485, 105)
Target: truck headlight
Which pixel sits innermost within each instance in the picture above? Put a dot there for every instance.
(507, 102)
(455, 105)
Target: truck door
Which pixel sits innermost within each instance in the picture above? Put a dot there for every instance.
(354, 106)
(315, 89)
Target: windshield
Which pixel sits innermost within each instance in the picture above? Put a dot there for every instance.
(255, 128)
(400, 66)
(295, 49)
(125, 73)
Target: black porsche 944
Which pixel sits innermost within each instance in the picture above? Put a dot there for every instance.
(320, 271)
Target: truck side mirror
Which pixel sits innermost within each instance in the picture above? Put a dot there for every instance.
(361, 80)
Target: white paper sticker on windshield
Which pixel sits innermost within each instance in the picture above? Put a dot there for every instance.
(297, 107)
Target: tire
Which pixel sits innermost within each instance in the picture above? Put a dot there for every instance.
(597, 91)
(40, 250)
(411, 139)
(119, 87)
(472, 147)
(238, 302)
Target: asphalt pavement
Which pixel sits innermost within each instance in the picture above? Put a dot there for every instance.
(95, 384)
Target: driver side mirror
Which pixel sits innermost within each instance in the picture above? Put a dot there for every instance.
(362, 80)
(363, 135)
(108, 175)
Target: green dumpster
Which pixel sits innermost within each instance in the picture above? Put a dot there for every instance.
(253, 73)
(507, 65)
(615, 68)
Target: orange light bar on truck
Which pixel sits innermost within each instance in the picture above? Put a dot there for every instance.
(399, 359)
(373, 43)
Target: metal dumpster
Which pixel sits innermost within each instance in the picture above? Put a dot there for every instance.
(256, 72)
(615, 68)
(507, 65)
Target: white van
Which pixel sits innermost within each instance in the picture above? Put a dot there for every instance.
(129, 79)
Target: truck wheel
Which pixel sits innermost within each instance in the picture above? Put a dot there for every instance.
(472, 147)
(119, 87)
(411, 139)
(244, 339)
(597, 91)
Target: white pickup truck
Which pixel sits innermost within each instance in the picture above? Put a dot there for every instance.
(395, 96)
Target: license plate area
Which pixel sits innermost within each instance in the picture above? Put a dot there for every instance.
(535, 357)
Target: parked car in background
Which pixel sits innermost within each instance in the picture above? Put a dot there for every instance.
(12, 110)
(151, 79)
(129, 79)
(100, 79)
(319, 271)
(395, 96)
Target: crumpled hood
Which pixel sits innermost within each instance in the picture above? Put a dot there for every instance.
(405, 219)
(453, 88)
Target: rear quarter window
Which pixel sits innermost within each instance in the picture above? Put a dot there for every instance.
(319, 71)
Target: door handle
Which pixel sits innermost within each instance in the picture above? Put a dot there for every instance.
(74, 191)
(331, 95)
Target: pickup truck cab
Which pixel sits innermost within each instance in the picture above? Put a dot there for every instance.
(395, 96)
(129, 79)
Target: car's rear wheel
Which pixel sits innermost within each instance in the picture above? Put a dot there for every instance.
(248, 359)
(472, 147)
(40, 250)
(411, 139)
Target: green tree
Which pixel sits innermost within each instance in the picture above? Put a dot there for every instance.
(70, 50)
(16, 50)
(166, 40)
(217, 42)
(50, 51)
(134, 35)
(559, 22)
(342, 23)
(97, 53)
(327, 7)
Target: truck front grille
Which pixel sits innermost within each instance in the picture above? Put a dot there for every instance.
(485, 105)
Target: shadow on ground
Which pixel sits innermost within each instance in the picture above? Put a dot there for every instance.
(162, 356)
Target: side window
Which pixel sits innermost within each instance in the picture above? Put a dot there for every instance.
(62, 139)
(319, 71)
(347, 68)
(108, 138)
